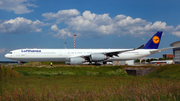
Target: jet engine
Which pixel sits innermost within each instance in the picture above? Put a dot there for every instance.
(98, 57)
(75, 60)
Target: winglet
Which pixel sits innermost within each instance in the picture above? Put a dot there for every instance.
(153, 43)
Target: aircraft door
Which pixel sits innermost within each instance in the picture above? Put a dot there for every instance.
(59, 53)
(140, 53)
(17, 54)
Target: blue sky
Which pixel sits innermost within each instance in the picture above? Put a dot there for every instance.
(97, 23)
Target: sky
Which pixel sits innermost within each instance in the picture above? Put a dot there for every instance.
(97, 24)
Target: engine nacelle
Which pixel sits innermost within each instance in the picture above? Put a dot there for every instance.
(75, 60)
(98, 57)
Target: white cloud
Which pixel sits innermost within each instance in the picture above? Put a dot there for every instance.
(106, 29)
(94, 24)
(38, 30)
(63, 33)
(54, 28)
(158, 25)
(91, 24)
(18, 6)
(177, 31)
(88, 15)
(20, 25)
(129, 21)
(61, 15)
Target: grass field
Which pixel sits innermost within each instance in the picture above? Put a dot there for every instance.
(87, 83)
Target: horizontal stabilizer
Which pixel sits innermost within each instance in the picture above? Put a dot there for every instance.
(159, 50)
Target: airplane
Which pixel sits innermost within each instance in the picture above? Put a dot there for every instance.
(80, 56)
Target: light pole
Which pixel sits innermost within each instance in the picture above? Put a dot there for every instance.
(65, 44)
(74, 40)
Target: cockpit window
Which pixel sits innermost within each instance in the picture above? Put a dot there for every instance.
(9, 52)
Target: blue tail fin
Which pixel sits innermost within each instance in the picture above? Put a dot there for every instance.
(153, 43)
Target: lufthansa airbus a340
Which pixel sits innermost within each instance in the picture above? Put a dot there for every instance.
(79, 56)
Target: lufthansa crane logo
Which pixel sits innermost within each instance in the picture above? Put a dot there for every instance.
(156, 39)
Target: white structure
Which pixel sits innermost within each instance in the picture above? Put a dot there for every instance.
(129, 62)
(163, 61)
(145, 58)
(176, 52)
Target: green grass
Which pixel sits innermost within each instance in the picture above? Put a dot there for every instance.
(166, 72)
(72, 71)
(88, 83)
(54, 63)
(7, 72)
(44, 63)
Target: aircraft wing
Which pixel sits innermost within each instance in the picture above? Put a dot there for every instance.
(110, 54)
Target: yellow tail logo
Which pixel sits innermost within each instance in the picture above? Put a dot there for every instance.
(156, 39)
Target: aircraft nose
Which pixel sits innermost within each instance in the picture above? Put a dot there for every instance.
(7, 55)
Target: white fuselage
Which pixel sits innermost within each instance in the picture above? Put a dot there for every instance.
(63, 54)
